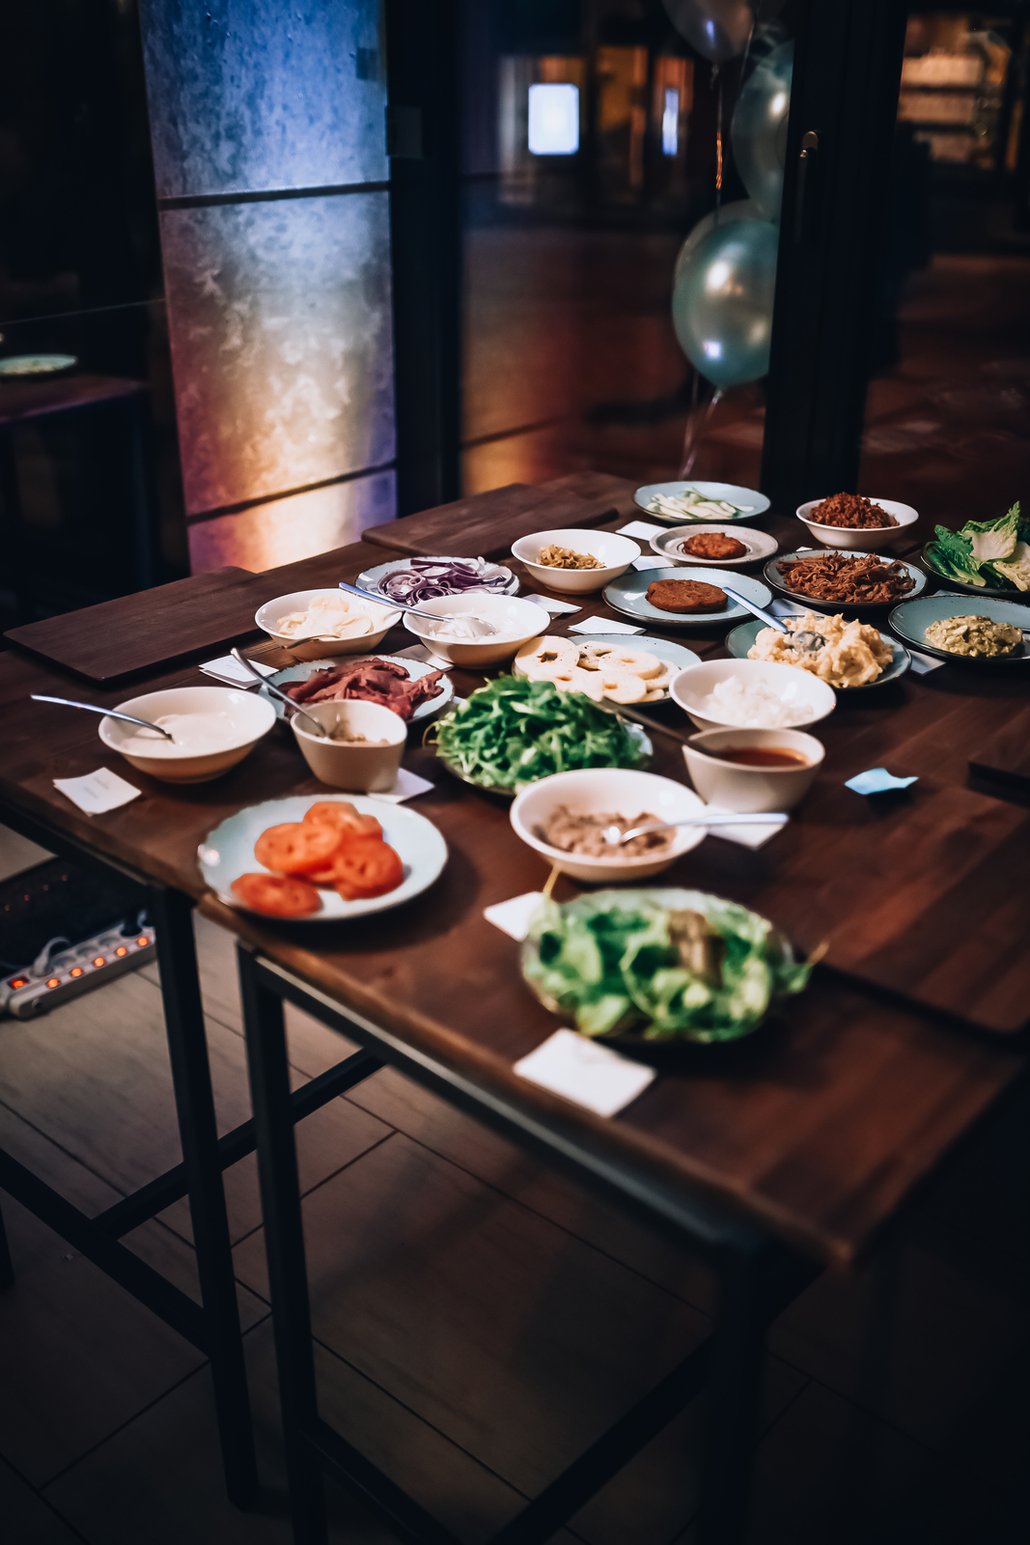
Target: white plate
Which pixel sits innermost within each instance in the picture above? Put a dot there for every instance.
(371, 579)
(759, 545)
(228, 851)
(627, 595)
(665, 649)
(414, 668)
(749, 501)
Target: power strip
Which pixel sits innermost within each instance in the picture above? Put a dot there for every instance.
(75, 971)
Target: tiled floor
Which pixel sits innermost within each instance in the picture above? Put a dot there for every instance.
(478, 1321)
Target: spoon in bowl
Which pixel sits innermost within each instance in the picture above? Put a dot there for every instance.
(241, 659)
(807, 641)
(109, 713)
(480, 629)
(615, 837)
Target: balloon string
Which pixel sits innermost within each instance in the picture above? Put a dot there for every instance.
(696, 423)
(717, 74)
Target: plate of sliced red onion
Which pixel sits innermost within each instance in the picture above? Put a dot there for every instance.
(410, 581)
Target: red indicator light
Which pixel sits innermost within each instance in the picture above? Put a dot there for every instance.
(75, 971)
(98, 960)
(55, 981)
(120, 951)
(19, 981)
(142, 940)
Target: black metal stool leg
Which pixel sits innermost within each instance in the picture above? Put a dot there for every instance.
(6, 1264)
(284, 1241)
(191, 1076)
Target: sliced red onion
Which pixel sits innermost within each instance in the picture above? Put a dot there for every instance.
(425, 578)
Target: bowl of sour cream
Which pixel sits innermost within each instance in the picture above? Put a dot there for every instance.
(212, 729)
(505, 623)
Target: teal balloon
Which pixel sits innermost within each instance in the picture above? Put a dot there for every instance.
(758, 132)
(716, 29)
(722, 302)
(726, 214)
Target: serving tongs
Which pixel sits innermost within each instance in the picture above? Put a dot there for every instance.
(808, 641)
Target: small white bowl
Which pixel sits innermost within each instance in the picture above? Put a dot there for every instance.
(246, 717)
(380, 619)
(364, 769)
(736, 786)
(516, 621)
(615, 552)
(619, 791)
(807, 697)
(854, 539)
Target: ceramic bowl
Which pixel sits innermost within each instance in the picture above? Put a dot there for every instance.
(807, 698)
(868, 539)
(366, 769)
(615, 552)
(738, 787)
(244, 716)
(380, 620)
(516, 622)
(607, 789)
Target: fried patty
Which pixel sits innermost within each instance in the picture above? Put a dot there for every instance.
(685, 595)
(713, 544)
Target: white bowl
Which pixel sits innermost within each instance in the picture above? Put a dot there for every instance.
(807, 697)
(615, 552)
(380, 619)
(619, 791)
(516, 622)
(865, 540)
(365, 769)
(244, 716)
(736, 786)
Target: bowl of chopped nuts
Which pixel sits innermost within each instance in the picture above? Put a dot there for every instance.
(574, 561)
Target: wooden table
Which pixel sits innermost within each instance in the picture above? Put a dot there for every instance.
(811, 1136)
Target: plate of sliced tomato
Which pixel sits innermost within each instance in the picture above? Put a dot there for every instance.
(305, 859)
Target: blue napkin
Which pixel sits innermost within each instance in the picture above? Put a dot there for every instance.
(877, 780)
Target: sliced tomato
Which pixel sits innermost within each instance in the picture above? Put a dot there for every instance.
(277, 895)
(296, 847)
(345, 817)
(367, 866)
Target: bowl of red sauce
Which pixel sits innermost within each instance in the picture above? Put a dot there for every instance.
(753, 770)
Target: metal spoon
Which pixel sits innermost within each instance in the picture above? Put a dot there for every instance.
(110, 713)
(480, 629)
(617, 838)
(241, 659)
(806, 639)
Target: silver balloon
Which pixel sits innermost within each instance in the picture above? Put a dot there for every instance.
(726, 214)
(716, 29)
(758, 132)
(722, 302)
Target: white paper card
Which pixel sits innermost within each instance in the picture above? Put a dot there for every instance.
(650, 562)
(748, 836)
(603, 625)
(921, 663)
(98, 791)
(514, 917)
(556, 608)
(420, 652)
(407, 786)
(644, 528)
(579, 1069)
(226, 669)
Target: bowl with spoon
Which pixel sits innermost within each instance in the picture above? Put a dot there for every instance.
(191, 734)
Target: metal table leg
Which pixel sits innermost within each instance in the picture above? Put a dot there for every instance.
(191, 1077)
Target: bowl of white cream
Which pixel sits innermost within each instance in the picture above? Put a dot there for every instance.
(212, 728)
(335, 622)
(507, 621)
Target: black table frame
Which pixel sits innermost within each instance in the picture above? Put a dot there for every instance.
(758, 1276)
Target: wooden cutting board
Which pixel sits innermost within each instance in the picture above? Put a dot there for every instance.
(136, 633)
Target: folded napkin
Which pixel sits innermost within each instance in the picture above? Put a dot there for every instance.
(556, 608)
(581, 1070)
(98, 791)
(226, 669)
(603, 625)
(877, 780)
(748, 836)
(650, 561)
(644, 528)
(407, 786)
(514, 917)
(921, 663)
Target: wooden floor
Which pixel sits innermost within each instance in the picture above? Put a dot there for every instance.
(478, 1321)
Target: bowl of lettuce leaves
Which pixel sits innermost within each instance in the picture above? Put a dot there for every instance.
(643, 968)
(985, 557)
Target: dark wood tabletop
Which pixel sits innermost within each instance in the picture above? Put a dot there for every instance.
(820, 1125)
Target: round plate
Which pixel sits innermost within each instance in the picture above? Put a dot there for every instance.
(749, 501)
(228, 851)
(771, 573)
(372, 578)
(662, 648)
(739, 641)
(18, 367)
(1009, 593)
(758, 543)
(414, 668)
(910, 620)
(628, 596)
(637, 731)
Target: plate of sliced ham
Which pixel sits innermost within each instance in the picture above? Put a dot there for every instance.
(411, 688)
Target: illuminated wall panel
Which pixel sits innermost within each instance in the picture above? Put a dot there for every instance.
(282, 530)
(259, 94)
(282, 345)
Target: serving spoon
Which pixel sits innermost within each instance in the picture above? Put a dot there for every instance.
(615, 837)
(807, 640)
(480, 629)
(251, 669)
(109, 713)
